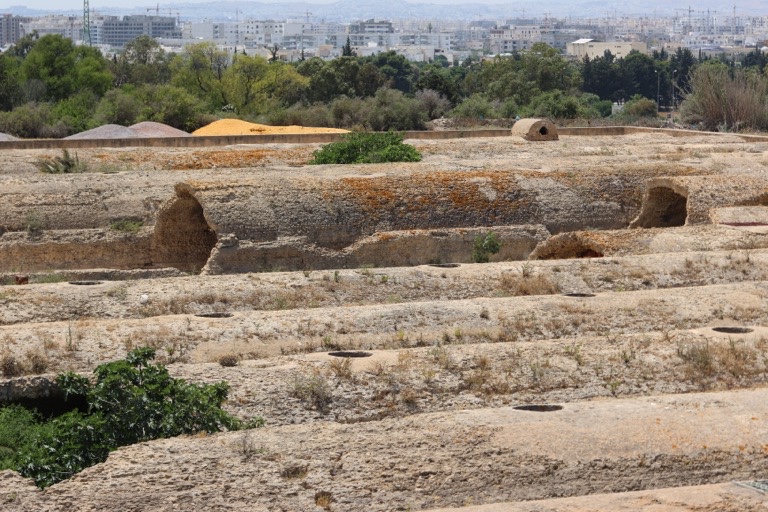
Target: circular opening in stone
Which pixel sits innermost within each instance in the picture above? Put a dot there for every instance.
(543, 130)
(575, 294)
(350, 353)
(538, 407)
(444, 265)
(733, 330)
(85, 283)
(214, 315)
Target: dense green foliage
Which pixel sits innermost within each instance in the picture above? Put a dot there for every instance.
(129, 401)
(367, 148)
(52, 88)
(484, 247)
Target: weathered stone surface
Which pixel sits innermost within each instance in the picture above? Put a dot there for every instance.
(685, 200)
(443, 459)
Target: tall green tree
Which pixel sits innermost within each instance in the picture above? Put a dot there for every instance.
(201, 70)
(143, 61)
(62, 68)
(242, 83)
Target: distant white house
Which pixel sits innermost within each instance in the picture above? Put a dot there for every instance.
(590, 48)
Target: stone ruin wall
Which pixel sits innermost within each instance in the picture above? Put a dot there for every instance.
(402, 217)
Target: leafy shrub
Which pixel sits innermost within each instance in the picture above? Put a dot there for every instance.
(484, 246)
(29, 121)
(17, 424)
(129, 402)
(555, 105)
(639, 107)
(390, 109)
(363, 148)
(474, 107)
(118, 106)
(317, 114)
(433, 103)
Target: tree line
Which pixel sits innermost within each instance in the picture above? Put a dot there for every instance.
(51, 88)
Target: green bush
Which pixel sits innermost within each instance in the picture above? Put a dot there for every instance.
(639, 107)
(474, 107)
(364, 148)
(126, 225)
(555, 105)
(17, 425)
(484, 246)
(130, 401)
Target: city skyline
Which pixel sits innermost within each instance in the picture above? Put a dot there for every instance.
(558, 8)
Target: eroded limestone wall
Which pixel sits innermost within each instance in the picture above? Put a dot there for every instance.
(688, 200)
(334, 211)
(74, 249)
(385, 249)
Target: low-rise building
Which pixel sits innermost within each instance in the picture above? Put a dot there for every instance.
(590, 48)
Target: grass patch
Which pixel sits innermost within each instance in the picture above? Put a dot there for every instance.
(126, 225)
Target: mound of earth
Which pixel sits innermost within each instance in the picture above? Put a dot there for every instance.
(153, 129)
(239, 127)
(108, 131)
(145, 129)
(5, 136)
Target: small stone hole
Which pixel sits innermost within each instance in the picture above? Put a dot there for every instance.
(214, 315)
(543, 130)
(444, 265)
(579, 294)
(350, 353)
(85, 283)
(538, 407)
(733, 330)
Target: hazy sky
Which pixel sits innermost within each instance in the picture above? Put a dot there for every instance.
(96, 4)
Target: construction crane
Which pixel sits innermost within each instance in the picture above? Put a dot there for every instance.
(87, 23)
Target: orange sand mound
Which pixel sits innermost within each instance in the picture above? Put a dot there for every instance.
(238, 127)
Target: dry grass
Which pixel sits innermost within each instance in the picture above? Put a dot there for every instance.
(724, 364)
(527, 282)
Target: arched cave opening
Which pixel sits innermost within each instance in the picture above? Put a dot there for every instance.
(182, 238)
(662, 208)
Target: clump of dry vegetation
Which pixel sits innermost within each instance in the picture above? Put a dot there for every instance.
(527, 282)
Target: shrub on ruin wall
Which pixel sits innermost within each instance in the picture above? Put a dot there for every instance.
(129, 401)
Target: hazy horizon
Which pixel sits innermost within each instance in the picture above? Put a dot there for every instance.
(558, 8)
(95, 5)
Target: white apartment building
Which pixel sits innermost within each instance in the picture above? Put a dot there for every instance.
(590, 48)
(68, 26)
(514, 38)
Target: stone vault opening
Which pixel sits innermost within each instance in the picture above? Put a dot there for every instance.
(182, 238)
(662, 208)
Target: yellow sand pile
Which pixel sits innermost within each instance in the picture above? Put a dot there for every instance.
(238, 127)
